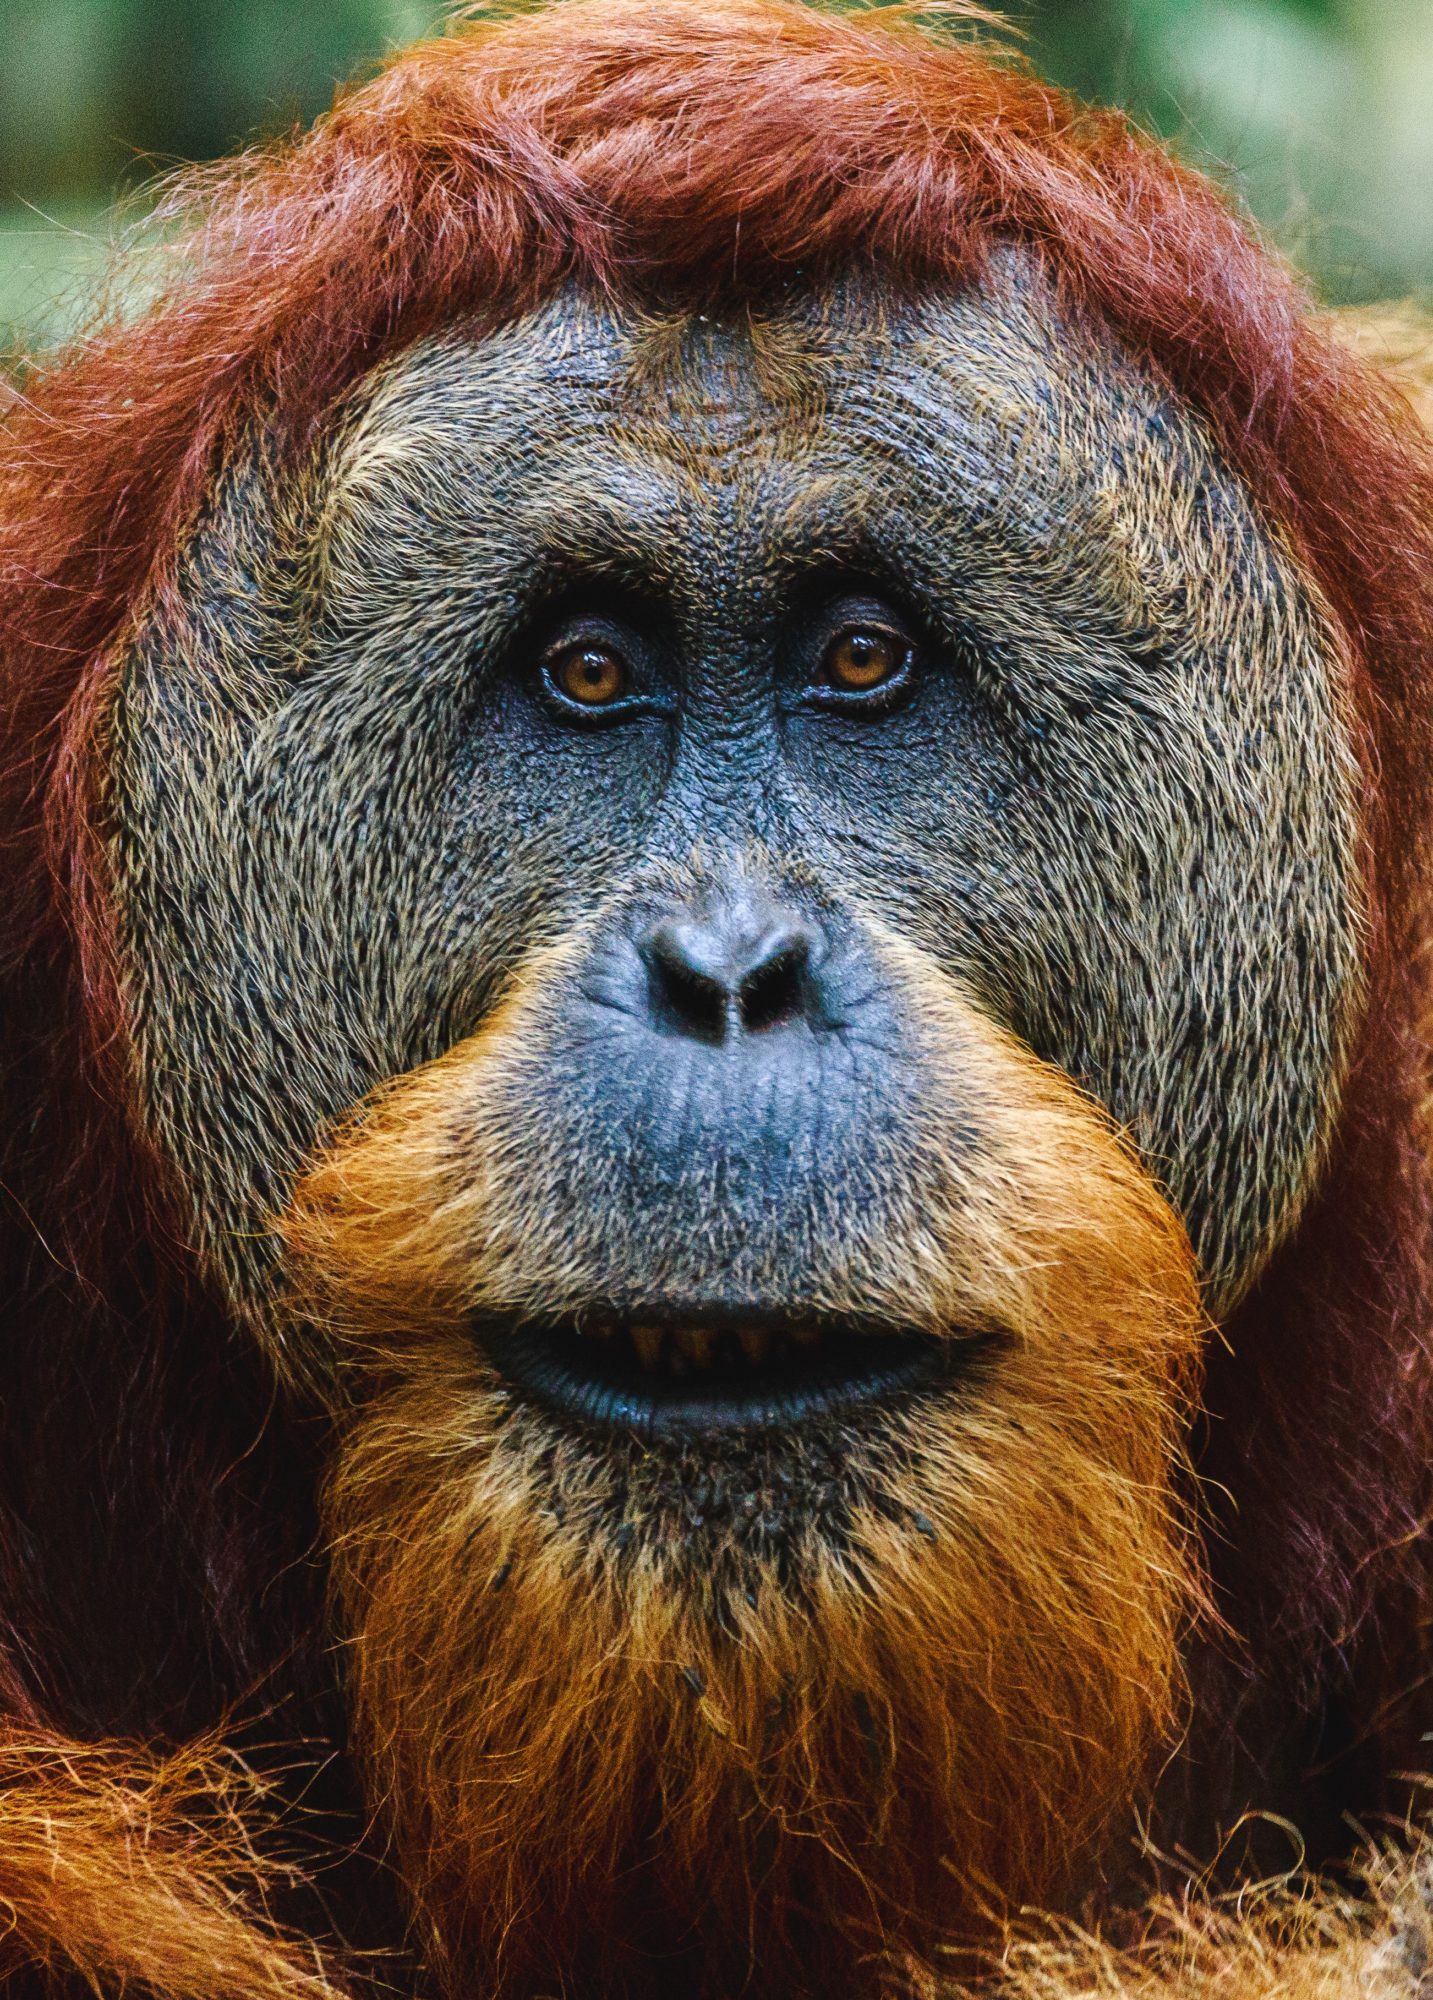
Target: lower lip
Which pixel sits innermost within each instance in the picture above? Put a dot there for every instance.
(602, 1386)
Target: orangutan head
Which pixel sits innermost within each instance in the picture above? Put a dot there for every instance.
(740, 889)
(796, 829)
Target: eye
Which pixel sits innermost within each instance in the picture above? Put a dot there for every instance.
(863, 658)
(591, 674)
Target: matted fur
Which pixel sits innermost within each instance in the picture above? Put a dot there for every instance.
(610, 1728)
(631, 143)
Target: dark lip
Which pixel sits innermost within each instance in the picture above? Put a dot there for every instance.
(602, 1386)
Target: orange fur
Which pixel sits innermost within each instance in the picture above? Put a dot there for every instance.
(1286, 1939)
(602, 1725)
(660, 147)
(141, 1871)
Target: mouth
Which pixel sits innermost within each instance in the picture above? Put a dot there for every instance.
(704, 1377)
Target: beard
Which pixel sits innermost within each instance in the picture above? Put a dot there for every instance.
(771, 1712)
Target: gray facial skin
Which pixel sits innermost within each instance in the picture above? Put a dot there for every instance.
(1115, 803)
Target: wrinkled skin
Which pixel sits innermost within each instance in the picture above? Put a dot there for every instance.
(1115, 805)
(746, 976)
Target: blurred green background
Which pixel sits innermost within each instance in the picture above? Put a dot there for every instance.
(1321, 112)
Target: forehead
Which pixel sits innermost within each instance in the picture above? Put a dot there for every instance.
(707, 451)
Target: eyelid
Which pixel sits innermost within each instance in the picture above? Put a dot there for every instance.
(887, 694)
(863, 611)
(849, 614)
(860, 607)
(598, 634)
(589, 631)
(881, 628)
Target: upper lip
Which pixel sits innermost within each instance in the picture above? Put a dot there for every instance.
(669, 1374)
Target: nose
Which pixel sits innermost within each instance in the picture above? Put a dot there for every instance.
(741, 967)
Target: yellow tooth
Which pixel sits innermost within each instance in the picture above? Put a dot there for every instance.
(805, 1336)
(597, 1329)
(648, 1342)
(755, 1342)
(697, 1341)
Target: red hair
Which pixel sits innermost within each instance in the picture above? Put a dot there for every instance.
(713, 146)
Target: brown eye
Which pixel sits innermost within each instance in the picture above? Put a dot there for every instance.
(591, 675)
(862, 659)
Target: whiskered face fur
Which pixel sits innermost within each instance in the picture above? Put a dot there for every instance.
(737, 926)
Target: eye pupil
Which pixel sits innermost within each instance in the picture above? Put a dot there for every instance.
(590, 675)
(862, 659)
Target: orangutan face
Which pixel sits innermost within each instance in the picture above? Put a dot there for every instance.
(745, 806)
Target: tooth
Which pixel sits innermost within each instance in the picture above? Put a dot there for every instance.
(697, 1345)
(805, 1336)
(597, 1329)
(648, 1342)
(755, 1342)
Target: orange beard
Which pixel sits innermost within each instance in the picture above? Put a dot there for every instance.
(763, 1717)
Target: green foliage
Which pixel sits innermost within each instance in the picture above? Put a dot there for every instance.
(1320, 110)
(97, 93)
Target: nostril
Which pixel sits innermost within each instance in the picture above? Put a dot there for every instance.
(734, 971)
(775, 990)
(685, 999)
